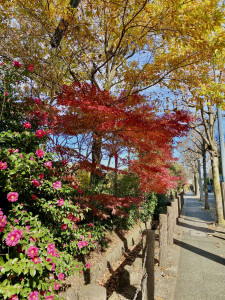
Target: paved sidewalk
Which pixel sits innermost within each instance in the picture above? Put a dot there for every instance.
(201, 268)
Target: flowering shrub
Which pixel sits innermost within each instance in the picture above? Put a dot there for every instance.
(42, 227)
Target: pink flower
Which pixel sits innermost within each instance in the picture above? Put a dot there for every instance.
(11, 151)
(63, 226)
(14, 297)
(1, 63)
(60, 202)
(49, 297)
(79, 191)
(40, 133)
(12, 196)
(34, 197)
(41, 176)
(88, 265)
(36, 260)
(85, 243)
(6, 94)
(48, 164)
(32, 251)
(27, 227)
(35, 182)
(40, 153)
(3, 221)
(56, 286)
(53, 267)
(61, 276)
(48, 259)
(91, 224)
(16, 150)
(57, 185)
(17, 64)
(12, 239)
(19, 232)
(30, 67)
(34, 295)
(27, 125)
(80, 244)
(50, 247)
(3, 165)
(64, 162)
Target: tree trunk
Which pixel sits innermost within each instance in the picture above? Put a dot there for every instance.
(200, 180)
(116, 176)
(217, 190)
(196, 184)
(205, 177)
(96, 157)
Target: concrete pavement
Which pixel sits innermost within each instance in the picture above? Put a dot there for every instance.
(201, 267)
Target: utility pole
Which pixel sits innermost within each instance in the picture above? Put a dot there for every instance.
(200, 180)
(222, 150)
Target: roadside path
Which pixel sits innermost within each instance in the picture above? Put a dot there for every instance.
(201, 267)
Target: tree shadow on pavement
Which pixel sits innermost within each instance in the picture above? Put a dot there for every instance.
(201, 252)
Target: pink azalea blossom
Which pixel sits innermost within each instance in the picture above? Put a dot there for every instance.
(16, 150)
(53, 267)
(60, 202)
(63, 226)
(61, 276)
(48, 164)
(85, 243)
(35, 182)
(41, 176)
(12, 196)
(34, 197)
(56, 286)
(40, 133)
(17, 64)
(3, 165)
(19, 232)
(40, 153)
(30, 67)
(80, 244)
(27, 125)
(91, 224)
(88, 265)
(3, 221)
(14, 297)
(57, 185)
(79, 191)
(49, 297)
(36, 260)
(34, 295)
(32, 251)
(12, 238)
(50, 247)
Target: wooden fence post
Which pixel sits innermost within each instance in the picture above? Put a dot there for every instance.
(148, 258)
(162, 239)
(170, 225)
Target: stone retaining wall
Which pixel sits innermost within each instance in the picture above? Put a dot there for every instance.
(119, 242)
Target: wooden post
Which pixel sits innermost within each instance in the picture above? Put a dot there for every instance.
(170, 225)
(162, 239)
(149, 253)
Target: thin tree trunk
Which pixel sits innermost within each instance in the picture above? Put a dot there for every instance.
(205, 176)
(217, 190)
(196, 184)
